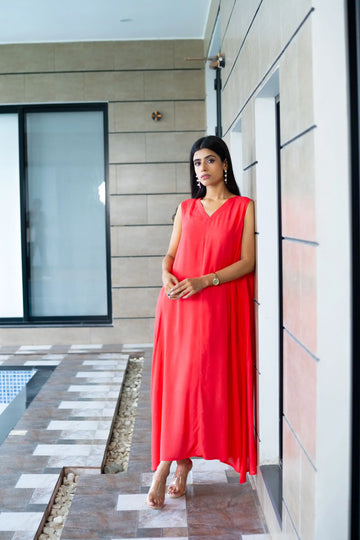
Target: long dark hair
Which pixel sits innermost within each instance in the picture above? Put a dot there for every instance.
(218, 146)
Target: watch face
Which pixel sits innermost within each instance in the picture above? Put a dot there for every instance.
(216, 281)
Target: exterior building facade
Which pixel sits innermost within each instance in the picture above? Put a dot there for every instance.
(147, 160)
(285, 117)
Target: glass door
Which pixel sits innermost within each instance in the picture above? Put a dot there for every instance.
(66, 217)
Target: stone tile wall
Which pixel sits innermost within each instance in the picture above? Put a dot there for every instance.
(148, 161)
(293, 38)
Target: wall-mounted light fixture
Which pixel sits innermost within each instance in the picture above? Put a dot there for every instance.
(156, 116)
(216, 62)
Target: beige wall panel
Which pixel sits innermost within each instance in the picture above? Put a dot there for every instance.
(249, 183)
(226, 8)
(139, 240)
(267, 28)
(135, 302)
(189, 115)
(161, 208)
(112, 179)
(287, 530)
(44, 336)
(54, 87)
(248, 134)
(125, 331)
(299, 288)
(179, 84)
(229, 112)
(128, 210)
(136, 116)
(300, 373)
(292, 14)
(12, 88)
(213, 13)
(183, 177)
(145, 178)
(114, 86)
(155, 270)
(143, 55)
(240, 86)
(31, 57)
(136, 271)
(170, 146)
(307, 495)
(111, 117)
(84, 56)
(129, 272)
(296, 85)
(292, 474)
(238, 26)
(126, 147)
(298, 198)
(186, 48)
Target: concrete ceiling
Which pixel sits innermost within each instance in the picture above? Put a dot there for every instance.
(36, 21)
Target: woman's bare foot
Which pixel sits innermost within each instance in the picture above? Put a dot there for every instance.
(177, 487)
(156, 496)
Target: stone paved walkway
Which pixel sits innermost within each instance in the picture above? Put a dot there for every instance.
(68, 424)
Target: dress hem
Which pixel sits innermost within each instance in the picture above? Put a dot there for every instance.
(243, 476)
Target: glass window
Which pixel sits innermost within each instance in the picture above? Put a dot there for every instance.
(66, 237)
(11, 289)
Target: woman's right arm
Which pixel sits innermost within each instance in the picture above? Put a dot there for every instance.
(168, 279)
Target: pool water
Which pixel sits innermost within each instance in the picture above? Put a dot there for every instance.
(14, 390)
(12, 382)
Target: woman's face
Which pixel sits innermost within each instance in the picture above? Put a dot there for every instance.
(208, 166)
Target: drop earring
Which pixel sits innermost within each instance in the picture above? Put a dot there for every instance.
(198, 182)
(225, 176)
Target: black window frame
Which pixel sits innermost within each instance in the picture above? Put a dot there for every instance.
(353, 28)
(57, 321)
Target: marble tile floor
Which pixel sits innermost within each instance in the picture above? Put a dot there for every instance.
(112, 507)
(67, 425)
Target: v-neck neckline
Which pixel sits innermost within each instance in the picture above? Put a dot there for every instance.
(215, 211)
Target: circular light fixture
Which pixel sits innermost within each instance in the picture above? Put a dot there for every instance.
(156, 116)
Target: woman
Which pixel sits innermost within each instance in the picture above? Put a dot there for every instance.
(202, 377)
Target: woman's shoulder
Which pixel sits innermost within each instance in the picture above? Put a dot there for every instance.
(187, 203)
(242, 200)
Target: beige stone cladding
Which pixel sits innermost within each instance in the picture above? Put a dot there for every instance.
(283, 47)
(148, 160)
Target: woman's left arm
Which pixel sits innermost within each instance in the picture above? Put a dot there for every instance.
(246, 264)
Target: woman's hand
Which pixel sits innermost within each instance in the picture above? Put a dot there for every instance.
(169, 281)
(189, 286)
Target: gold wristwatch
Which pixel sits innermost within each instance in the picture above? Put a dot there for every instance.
(216, 280)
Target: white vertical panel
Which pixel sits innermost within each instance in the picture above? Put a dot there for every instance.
(268, 278)
(11, 292)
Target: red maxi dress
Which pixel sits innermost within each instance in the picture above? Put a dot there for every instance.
(203, 360)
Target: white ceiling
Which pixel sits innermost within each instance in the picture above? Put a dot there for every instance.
(33, 21)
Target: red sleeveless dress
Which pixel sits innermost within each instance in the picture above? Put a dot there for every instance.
(203, 361)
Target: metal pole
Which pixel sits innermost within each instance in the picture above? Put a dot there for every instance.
(217, 86)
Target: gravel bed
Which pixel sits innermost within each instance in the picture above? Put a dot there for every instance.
(119, 448)
(117, 453)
